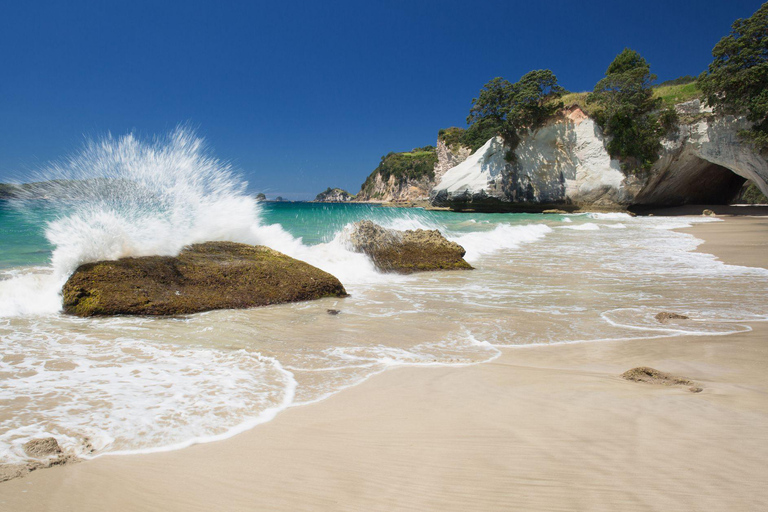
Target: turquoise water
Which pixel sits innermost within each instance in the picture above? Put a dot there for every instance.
(23, 242)
(22, 235)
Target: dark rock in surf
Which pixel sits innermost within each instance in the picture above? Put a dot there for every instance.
(407, 251)
(203, 277)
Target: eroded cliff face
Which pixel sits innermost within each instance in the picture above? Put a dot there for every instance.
(394, 190)
(565, 164)
(449, 157)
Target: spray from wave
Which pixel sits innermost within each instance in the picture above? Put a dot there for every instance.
(124, 196)
(127, 197)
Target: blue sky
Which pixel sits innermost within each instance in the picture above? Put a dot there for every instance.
(304, 95)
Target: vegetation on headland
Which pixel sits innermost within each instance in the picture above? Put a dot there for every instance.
(416, 164)
(510, 109)
(628, 111)
(671, 94)
(473, 137)
(683, 80)
(737, 79)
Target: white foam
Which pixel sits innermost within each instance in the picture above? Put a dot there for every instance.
(153, 397)
(609, 216)
(502, 237)
(30, 292)
(588, 226)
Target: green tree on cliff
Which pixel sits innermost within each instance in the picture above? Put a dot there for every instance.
(507, 109)
(737, 79)
(627, 110)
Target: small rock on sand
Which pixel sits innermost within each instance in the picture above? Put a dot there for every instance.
(665, 317)
(653, 376)
(46, 452)
(44, 447)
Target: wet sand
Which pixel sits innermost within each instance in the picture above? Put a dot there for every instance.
(539, 428)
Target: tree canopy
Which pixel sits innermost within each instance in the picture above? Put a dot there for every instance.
(737, 79)
(628, 109)
(506, 109)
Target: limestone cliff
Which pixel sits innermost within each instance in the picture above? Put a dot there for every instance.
(409, 177)
(449, 156)
(566, 164)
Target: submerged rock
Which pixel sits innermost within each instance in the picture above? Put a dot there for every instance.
(39, 448)
(665, 317)
(212, 275)
(407, 251)
(44, 452)
(653, 376)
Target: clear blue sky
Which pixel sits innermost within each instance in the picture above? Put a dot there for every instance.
(304, 95)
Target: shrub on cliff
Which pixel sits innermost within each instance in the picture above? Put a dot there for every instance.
(473, 137)
(737, 79)
(627, 110)
(507, 109)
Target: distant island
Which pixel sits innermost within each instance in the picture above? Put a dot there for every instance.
(334, 195)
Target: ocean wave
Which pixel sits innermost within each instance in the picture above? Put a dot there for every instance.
(502, 237)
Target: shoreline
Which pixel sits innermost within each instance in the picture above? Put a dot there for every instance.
(538, 428)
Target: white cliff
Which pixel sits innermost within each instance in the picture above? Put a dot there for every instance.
(566, 163)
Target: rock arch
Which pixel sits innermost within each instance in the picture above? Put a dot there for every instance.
(706, 163)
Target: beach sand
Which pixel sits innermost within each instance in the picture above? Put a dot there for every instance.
(540, 428)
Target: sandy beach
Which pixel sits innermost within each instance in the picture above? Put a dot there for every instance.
(550, 427)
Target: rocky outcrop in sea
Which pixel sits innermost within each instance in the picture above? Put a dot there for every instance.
(406, 252)
(203, 277)
(334, 195)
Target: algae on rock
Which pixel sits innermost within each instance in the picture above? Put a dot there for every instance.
(409, 251)
(212, 275)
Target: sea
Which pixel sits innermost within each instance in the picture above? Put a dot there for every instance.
(123, 385)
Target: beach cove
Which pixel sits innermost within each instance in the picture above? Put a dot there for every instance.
(539, 427)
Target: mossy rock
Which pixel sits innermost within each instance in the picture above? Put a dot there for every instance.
(405, 252)
(203, 277)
